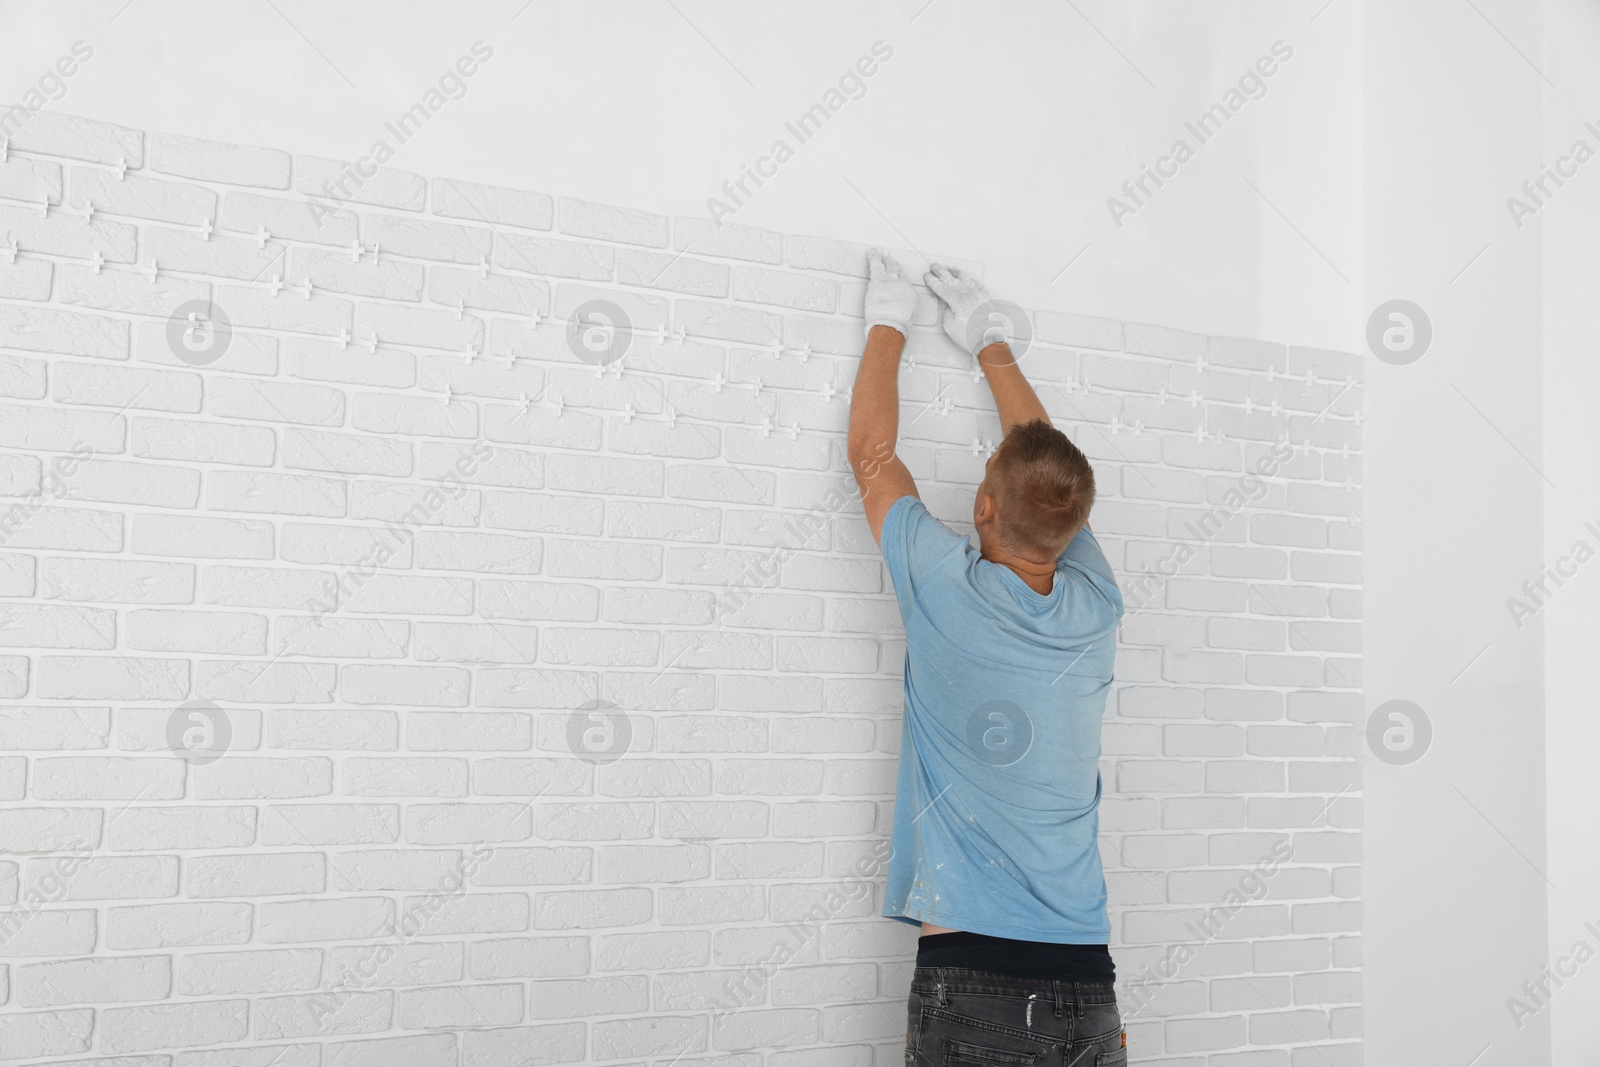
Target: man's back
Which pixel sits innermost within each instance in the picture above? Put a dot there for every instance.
(996, 818)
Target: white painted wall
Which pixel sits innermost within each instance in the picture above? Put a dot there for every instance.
(1450, 127)
(998, 130)
(1570, 383)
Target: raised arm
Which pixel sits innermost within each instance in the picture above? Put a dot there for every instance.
(1014, 398)
(974, 321)
(875, 401)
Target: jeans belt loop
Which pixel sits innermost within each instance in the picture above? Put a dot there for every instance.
(1055, 987)
(942, 1001)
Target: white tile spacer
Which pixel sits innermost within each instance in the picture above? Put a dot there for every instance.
(10, 251)
(461, 307)
(1311, 376)
(355, 250)
(1200, 364)
(827, 392)
(483, 266)
(5, 148)
(533, 319)
(276, 284)
(446, 394)
(977, 446)
(718, 382)
(793, 430)
(372, 342)
(1116, 424)
(777, 349)
(911, 361)
(599, 371)
(661, 333)
(805, 352)
(122, 168)
(468, 354)
(261, 236)
(1358, 416)
(1200, 433)
(88, 212)
(1163, 396)
(766, 426)
(44, 207)
(522, 404)
(1193, 398)
(627, 413)
(1138, 427)
(377, 250)
(1272, 374)
(988, 448)
(344, 339)
(305, 287)
(1276, 409)
(672, 417)
(1249, 405)
(755, 386)
(205, 229)
(152, 270)
(558, 405)
(977, 372)
(681, 336)
(96, 261)
(943, 406)
(1344, 450)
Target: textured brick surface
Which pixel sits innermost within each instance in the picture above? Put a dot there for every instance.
(560, 697)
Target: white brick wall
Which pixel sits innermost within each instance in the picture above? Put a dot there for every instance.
(400, 854)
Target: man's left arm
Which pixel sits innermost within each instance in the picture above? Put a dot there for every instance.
(875, 401)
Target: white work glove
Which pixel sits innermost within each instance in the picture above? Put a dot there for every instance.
(963, 296)
(890, 299)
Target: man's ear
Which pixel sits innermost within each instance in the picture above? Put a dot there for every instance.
(986, 505)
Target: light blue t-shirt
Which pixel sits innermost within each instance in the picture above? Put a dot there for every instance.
(997, 807)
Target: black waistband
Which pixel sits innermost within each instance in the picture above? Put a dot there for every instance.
(1021, 959)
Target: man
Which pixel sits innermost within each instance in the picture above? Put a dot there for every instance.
(1008, 664)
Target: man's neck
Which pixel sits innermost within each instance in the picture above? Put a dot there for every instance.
(1040, 577)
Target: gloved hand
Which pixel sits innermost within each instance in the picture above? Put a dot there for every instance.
(963, 296)
(890, 299)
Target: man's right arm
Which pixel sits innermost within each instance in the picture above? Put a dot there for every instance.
(1014, 398)
(965, 300)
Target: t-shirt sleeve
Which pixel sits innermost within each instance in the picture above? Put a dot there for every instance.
(1084, 555)
(914, 544)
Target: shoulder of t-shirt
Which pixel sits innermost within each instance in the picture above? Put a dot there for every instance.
(901, 505)
(1105, 579)
(908, 522)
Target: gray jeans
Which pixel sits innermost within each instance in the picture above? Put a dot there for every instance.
(961, 1018)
